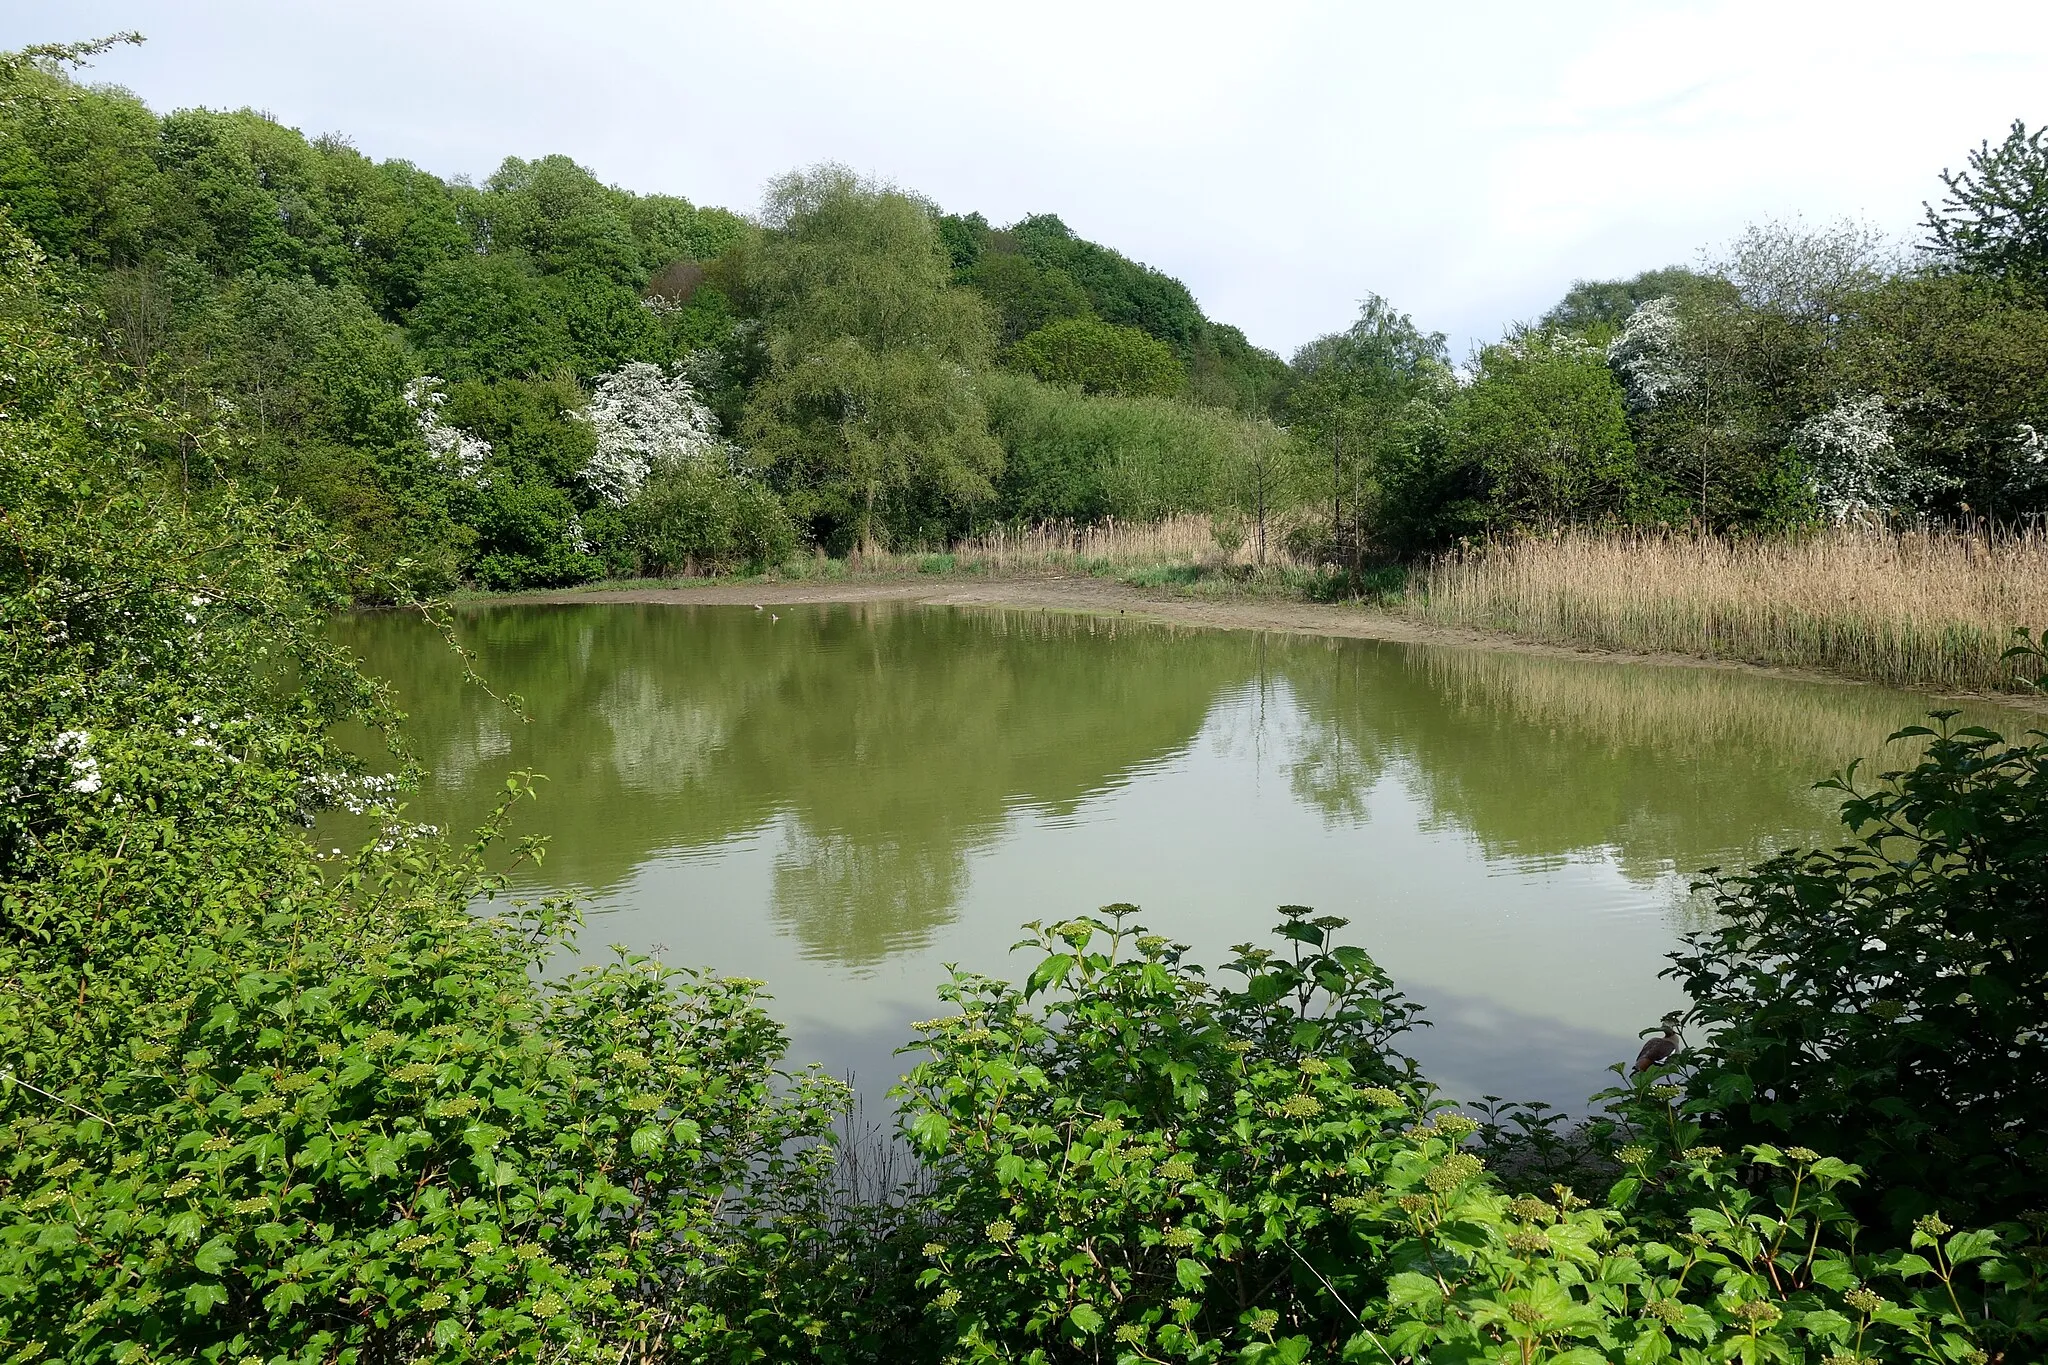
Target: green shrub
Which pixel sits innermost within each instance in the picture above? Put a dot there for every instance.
(262, 1103)
(700, 519)
(1099, 357)
(1070, 456)
(1149, 1166)
(1888, 1000)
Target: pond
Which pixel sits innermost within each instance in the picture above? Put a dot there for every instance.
(842, 800)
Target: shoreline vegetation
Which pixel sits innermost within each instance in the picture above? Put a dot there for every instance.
(1928, 610)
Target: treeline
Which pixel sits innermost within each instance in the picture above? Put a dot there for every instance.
(541, 379)
(261, 1102)
(1806, 377)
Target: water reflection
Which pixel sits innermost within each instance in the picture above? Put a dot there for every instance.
(842, 800)
(895, 742)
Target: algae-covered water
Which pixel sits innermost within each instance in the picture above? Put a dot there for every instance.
(844, 800)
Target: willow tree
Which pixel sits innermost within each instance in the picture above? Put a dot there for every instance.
(869, 405)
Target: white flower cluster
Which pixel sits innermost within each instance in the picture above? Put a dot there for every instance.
(1649, 355)
(1852, 460)
(356, 795)
(646, 418)
(462, 454)
(75, 748)
(2027, 460)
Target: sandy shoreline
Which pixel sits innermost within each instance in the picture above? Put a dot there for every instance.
(1106, 597)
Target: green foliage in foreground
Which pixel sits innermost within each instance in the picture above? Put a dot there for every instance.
(1888, 1000)
(1152, 1167)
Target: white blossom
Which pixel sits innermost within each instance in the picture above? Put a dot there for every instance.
(645, 419)
(1649, 355)
(462, 454)
(75, 748)
(2026, 460)
(358, 795)
(1852, 461)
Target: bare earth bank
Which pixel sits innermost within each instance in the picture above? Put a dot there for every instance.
(1106, 597)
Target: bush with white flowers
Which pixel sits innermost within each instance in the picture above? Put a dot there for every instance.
(1649, 356)
(646, 419)
(460, 453)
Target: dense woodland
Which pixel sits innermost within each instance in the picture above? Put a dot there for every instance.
(264, 1102)
(541, 379)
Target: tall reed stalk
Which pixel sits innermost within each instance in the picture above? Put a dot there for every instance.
(1924, 608)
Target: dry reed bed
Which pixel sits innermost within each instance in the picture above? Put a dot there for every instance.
(1185, 539)
(1914, 608)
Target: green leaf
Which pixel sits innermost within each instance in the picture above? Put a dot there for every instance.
(1053, 971)
(1651, 1348)
(930, 1131)
(1834, 1272)
(1411, 1290)
(1825, 1322)
(1087, 1321)
(1972, 1244)
(648, 1139)
(1832, 1169)
(215, 1256)
(1190, 1274)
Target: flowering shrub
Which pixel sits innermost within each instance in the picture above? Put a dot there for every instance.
(1853, 462)
(647, 419)
(461, 453)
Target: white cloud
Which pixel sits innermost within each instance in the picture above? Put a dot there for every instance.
(1282, 159)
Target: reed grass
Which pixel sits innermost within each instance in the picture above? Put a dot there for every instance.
(1922, 608)
(1064, 546)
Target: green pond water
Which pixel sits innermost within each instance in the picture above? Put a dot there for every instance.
(843, 801)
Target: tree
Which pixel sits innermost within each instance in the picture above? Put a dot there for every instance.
(1600, 307)
(1543, 418)
(1721, 378)
(1961, 366)
(869, 398)
(76, 165)
(1229, 372)
(1119, 289)
(1994, 219)
(486, 317)
(1259, 479)
(1351, 395)
(1025, 295)
(1100, 357)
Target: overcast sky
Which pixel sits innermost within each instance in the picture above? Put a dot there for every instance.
(1468, 161)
